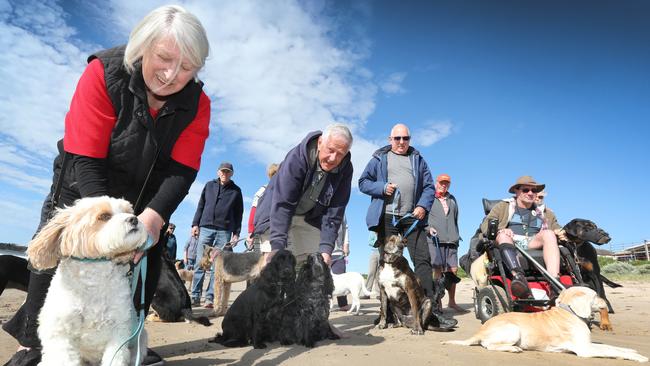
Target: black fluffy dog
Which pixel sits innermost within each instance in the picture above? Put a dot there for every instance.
(581, 233)
(307, 309)
(255, 315)
(171, 302)
(13, 273)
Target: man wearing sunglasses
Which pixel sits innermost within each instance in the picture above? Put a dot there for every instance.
(401, 188)
(526, 225)
(303, 204)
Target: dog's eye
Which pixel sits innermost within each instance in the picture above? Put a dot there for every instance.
(104, 217)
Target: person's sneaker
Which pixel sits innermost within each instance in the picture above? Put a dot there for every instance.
(344, 308)
(196, 302)
(152, 359)
(439, 323)
(208, 305)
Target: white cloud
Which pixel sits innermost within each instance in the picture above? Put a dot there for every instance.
(393, 83)
(432, 133)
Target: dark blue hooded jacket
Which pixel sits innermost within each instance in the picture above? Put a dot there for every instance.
(277, 206)
(374, 179)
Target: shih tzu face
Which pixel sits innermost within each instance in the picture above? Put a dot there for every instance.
(95, 227)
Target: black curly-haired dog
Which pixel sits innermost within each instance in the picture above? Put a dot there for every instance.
(307, 309)
(255, 315)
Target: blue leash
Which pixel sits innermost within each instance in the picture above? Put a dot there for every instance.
(396, 222)
(139, 272)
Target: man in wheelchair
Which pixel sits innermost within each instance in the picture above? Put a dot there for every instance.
(524, 224)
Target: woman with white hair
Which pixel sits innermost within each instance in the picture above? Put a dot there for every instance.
(136, 128)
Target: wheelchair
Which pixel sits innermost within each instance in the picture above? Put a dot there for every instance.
(497, 296)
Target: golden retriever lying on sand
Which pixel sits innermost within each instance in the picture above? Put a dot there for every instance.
(563, 328)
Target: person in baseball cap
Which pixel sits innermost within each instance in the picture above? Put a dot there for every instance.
(226, 166)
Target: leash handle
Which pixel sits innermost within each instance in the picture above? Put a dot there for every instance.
(395, 222)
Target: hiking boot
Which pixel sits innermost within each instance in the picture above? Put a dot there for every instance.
(152, 359)
(519, 286)
(196, 302)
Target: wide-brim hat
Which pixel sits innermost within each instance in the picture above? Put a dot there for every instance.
(526, 180)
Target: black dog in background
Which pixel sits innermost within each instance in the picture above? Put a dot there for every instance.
(171, 302)
(307, 309)
(581, 233)
(13, 273)
(255, 315)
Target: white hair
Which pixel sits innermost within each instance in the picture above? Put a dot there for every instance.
(338, 129)
(170, 20)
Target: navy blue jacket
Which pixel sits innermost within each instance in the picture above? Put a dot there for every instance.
(374, 179)
(220, 207)
(277, 206)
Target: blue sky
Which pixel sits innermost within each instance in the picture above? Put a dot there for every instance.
(491, 91)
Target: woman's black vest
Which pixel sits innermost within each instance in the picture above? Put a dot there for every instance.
(136, 137)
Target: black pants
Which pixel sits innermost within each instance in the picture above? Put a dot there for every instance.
(417, 246)
(24, 324)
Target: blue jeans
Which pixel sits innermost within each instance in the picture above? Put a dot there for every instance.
(209, 237)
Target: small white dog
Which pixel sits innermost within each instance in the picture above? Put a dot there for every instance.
(349, 283)
(88, 312)
(562, 328)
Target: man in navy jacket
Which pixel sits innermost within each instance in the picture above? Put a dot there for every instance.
(303, 205)
(399, 183)
(217, 221)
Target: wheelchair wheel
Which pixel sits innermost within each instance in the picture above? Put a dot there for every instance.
(487, 304)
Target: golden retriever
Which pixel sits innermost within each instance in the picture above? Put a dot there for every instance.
(562, 328)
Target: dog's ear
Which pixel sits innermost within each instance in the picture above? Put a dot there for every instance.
(44, 251)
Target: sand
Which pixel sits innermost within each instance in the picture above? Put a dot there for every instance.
(187, 344)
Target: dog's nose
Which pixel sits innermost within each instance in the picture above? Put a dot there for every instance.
(133, 220)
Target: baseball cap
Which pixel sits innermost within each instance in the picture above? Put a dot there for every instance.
(443, 178)
(226, 166)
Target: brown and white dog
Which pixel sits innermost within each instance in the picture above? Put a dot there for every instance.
(562, 328)
(401, 293)
(230, 267)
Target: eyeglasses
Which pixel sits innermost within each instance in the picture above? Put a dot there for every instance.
(526, 190)
(403, 138)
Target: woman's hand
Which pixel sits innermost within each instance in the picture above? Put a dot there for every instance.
(152, 222)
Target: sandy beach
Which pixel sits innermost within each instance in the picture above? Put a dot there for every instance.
(187, 344)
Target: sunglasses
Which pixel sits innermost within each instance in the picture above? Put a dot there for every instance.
(526, 190)
(403, 138)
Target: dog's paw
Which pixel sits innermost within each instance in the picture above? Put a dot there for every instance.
(606, 326)
(259, 345)
(381, 326)
(417, 332)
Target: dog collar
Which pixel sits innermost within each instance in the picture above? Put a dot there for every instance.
(91, 260)
(568, 308)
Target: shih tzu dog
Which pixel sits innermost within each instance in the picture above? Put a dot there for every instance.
(88, 312)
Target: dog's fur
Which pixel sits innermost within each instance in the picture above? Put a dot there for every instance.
(305, 316)
(171, 302)
(559, 329)
(255, 315)
(478, 271)
(401, 293)
(349, 283)
(230, 267)
(88, 312)
(580, 234)
(13, 273)
(185, 274)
